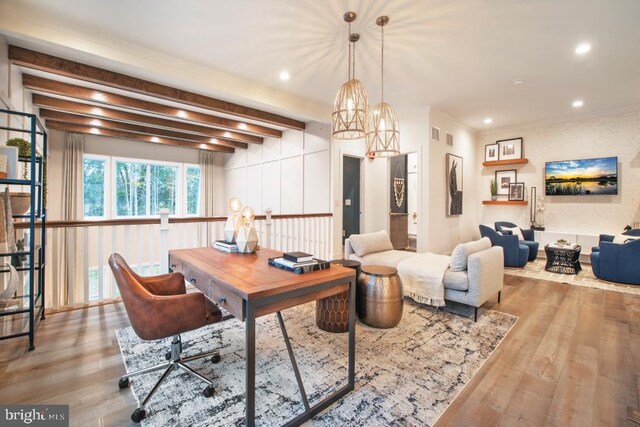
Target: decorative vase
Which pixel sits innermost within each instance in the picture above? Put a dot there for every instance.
(494, 197)
(247, 239)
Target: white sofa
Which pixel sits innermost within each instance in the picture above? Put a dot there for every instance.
(482, 279)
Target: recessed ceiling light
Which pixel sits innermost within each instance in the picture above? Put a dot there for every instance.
(95, 131)
(488, 121)
(227, 134)
(97, 111)
(242, 126)
(98, 96)
(578, 103)
(583, 48)
(155, 139)
(181, 113)
(284, 75)
(213, 141)
(96, 122)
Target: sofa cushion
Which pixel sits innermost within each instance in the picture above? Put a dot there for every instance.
(389, 258)
(457, 280)
(460, 254)
(370, 243)
(624, 238)
(513, 230)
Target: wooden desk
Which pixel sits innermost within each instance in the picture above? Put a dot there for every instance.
(247, 287)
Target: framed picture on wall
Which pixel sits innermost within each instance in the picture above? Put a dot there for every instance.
(510, 149)
(503, 179)
(491, 152)
(516, 191)
(454, 184)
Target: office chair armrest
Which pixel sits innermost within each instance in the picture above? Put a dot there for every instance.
(164, 284)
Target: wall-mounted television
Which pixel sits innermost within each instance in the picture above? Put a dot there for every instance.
(582, 177)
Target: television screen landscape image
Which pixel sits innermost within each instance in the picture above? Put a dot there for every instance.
(582, 177)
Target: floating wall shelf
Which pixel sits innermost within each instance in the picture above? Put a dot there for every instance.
(505, 162)
(505, 202)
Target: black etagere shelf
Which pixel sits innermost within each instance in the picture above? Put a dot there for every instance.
(29, 298)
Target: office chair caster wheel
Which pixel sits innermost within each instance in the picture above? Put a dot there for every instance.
(138, 415)
(123, 383)
(209, 391)
(215, 358)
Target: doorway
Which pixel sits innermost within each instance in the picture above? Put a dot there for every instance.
(350, 196)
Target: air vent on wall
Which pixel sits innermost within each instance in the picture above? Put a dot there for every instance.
(449, 139)
(435, 133)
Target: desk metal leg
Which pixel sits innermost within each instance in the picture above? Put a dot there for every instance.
(352, 335)
(296, 371)
(250, 353)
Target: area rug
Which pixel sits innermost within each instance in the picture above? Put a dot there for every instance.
(407, 375)
(535, 270)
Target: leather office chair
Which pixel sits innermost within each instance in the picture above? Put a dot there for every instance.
(159, 307)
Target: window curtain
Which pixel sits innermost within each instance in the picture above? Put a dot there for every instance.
(208, 188)
(69, 285)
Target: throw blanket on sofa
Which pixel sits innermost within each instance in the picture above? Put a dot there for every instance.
(422, 277)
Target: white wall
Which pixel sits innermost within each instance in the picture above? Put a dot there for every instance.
(290, 175)
(445, 232)
(604, 136)
(94, 144)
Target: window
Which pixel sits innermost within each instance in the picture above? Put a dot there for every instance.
(139, 188)
(193, 189)
(95, 187)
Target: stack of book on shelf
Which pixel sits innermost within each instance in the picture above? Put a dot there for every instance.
(223, 245)
(298, 262)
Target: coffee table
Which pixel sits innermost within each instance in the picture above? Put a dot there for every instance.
(563, 259)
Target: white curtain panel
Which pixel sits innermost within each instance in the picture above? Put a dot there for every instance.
(208, 188)
(68, 287)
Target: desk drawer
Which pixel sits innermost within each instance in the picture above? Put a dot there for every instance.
(227, 300)
(175, 264)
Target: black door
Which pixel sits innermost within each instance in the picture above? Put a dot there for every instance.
(350, 196)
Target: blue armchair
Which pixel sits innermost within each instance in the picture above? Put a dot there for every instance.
(617, 262)
(515, 253)
(609, 237)
(529, 240)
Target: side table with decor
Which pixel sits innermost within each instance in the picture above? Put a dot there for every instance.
(563, 257)
(379, 296)
(332, 313)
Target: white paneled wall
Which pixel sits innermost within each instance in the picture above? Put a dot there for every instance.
(290, 175)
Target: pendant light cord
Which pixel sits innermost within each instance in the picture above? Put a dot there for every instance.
(382, 64)
(349, 61)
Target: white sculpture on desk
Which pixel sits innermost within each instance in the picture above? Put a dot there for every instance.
(247, 238)
(232, 224)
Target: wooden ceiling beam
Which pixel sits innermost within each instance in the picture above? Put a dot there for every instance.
(88, 110)
(92, 130)
(42, 84)
(59, 116)
(64, 67)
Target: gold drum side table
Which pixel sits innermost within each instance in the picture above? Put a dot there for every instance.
(379, 297)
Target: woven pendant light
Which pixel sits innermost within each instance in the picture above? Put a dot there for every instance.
(349, 117)
(383, 137)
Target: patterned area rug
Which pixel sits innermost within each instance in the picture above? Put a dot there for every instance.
(407, 375)
(535, 270)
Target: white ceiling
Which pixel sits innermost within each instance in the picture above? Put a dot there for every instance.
(460, 56)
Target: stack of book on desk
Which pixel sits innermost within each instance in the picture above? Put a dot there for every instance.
(298, 262)
(223, 245)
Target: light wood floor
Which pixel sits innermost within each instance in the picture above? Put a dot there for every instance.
(571, 359)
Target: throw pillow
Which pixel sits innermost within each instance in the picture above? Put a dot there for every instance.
(460, 255)
(514, 230)
(369, 243)
(623, 238)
